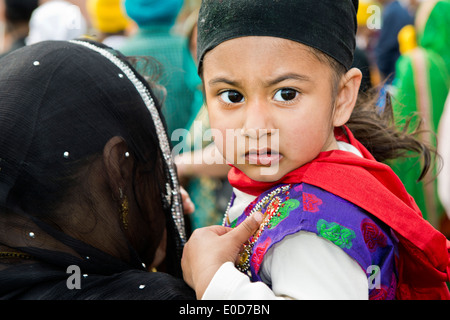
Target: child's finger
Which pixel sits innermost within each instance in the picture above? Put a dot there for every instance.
(246, 229)
(188, 205)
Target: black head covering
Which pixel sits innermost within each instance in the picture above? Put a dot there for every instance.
(20, 10)
(327, 25)
(60, 102)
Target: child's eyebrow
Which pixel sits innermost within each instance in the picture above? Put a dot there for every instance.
(288, 76)
(217, 80)
(281, 78)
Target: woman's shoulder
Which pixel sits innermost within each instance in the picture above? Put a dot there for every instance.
(139, 285)
(133, 284)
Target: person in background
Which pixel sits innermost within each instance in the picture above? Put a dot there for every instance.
(444, 174)
(16, 15)
(395, 16)
(56, 20)
(366, 37)
(109, 21)
(435, 22)
(200, 167)
(154, 38)
(420, 88)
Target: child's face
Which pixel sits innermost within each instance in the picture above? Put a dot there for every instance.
(277, 98)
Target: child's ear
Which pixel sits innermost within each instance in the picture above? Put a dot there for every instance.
(347, 95)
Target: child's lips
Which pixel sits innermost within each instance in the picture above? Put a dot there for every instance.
(265, 157)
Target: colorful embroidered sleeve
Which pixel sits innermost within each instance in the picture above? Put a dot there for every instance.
(289, 209)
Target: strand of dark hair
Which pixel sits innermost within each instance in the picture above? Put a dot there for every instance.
(376, 128)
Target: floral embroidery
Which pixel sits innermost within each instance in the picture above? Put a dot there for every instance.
(373, 236)
(244, 262)
(392, 288)
(258, 254)
(378, 294)
(384, 292)
(311, 203)
(283, 211)
(339, 235)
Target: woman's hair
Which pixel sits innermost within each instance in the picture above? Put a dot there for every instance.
(376, 127)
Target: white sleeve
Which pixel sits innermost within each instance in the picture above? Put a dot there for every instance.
(303, 266)
(230, 284)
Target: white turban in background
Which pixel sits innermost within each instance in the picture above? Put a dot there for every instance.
(56, 20)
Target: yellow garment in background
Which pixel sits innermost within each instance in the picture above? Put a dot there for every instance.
(407, 39)
(107, 16)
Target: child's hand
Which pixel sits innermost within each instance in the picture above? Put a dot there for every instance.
(208, 248)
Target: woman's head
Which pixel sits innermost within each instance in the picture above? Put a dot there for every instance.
(82, 136)
(278, 75)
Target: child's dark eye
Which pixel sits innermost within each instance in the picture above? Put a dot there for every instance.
(231, 96)
(285, 94)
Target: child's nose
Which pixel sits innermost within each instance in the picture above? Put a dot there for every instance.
(258, 121)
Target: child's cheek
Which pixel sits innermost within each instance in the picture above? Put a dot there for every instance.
(229, 142)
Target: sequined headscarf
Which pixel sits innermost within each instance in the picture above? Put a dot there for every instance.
(60, 103)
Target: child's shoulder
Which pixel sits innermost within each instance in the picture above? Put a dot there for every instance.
(303, 207)
(304, 198)
(293, 208)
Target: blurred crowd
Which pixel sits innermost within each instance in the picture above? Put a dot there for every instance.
(403, 48)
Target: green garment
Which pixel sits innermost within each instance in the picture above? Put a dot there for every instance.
(179, 73)
(434, 32)
(421, 87)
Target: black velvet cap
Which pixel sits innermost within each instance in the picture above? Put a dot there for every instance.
(327, 25)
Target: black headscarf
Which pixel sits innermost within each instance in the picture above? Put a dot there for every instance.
(326, 25)
(60, 102)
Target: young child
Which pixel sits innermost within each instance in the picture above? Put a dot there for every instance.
(337, 223)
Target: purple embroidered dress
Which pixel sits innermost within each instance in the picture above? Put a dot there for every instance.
(288, 209)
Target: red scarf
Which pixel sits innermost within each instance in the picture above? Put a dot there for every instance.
(424, 263)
